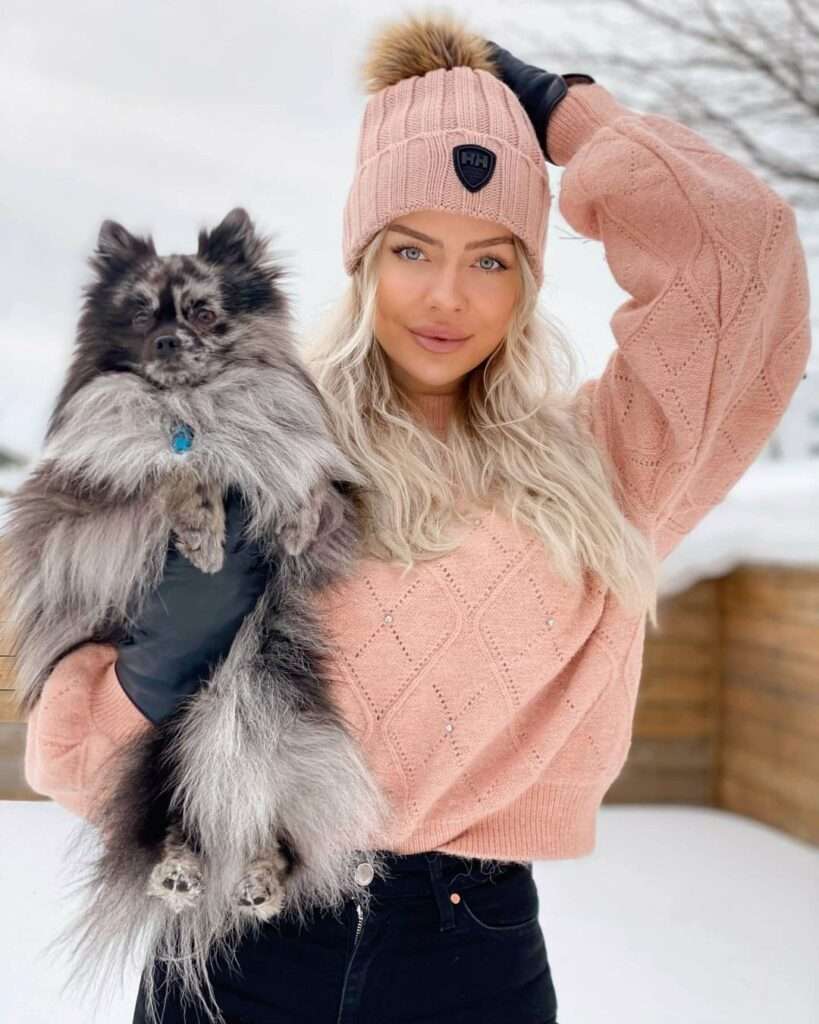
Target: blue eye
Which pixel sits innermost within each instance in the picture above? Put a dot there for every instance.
(404, 248)
(399, 250)
(500, 266)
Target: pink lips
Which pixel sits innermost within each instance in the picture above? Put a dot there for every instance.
(439, 339)
(439, 331)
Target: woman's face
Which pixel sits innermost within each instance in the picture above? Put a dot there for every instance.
(441, 271)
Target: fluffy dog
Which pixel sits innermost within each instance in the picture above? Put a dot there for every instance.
(252, 800)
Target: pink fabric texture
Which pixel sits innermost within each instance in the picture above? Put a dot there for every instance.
(405, 159)
(493, 703)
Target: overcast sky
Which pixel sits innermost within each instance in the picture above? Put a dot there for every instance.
(164, 117)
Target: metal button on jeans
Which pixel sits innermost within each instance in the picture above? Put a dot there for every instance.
(364, 873)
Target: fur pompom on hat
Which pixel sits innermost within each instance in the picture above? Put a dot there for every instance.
(422, 44)
(441, 131)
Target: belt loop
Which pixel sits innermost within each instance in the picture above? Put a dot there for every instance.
(446, 911)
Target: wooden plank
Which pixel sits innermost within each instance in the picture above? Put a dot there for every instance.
(769, 760)
(768, 773)
(679, 690)
(795, 749)
(690, 754)
(13, 785)
(7, 673)
(773, 594)
(784, 669)
(669, 770)
(740, 795)
(661, 690)
(8, 708)
(770, 704)
(7, 638)
(664, 786)
(674, 719)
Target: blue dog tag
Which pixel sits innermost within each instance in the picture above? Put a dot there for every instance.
(182, 439)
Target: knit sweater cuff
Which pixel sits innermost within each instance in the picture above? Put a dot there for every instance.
(112, 710)
(584, 109)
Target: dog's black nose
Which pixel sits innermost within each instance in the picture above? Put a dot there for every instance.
(166, 345)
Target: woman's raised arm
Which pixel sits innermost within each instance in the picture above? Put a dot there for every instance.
(715, 336)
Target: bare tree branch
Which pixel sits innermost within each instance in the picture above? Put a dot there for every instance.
(746, 74)
(756, 59)
(801, 15)
(764, 158)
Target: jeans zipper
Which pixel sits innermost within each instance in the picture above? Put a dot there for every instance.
(359, 923)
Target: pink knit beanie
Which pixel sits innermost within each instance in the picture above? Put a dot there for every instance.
(442, 132)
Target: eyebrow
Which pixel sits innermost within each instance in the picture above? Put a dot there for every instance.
(497, 240)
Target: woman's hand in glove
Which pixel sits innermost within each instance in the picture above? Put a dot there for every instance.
(538, 91)
(189, 621)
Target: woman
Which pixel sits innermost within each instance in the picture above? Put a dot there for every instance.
(489, 647)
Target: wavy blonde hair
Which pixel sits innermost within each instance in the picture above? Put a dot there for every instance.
(516, 434)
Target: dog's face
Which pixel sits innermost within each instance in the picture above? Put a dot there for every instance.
(177, 320)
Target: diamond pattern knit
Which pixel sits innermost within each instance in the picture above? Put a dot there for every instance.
(493, 702)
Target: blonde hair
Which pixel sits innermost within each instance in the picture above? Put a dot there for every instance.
(517, 433)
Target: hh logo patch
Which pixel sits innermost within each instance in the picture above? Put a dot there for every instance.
(474, 165)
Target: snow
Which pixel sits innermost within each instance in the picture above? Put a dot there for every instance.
(680, 914)
(770, 516)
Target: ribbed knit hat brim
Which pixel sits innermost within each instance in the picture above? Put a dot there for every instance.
(406, 159)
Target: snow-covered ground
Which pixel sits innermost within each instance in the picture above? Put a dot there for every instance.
(682, 915)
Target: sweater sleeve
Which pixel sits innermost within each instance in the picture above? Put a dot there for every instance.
(715, 336)
(83, 716)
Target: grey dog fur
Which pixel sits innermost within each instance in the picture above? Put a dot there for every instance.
(260, 751)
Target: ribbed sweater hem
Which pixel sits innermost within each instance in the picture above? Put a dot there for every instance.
(549, 821)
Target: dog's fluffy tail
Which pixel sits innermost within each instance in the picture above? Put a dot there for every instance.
(245, 763)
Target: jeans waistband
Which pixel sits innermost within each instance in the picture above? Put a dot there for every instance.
(432, 873)
(414, 874)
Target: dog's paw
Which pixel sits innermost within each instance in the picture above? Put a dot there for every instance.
(177, 878)
(197, 514)
(260, 891)
(201, 547)
(322, 513)
(200, 528)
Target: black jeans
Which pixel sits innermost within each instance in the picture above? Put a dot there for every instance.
(443, 942)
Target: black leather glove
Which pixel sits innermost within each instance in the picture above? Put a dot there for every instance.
(539, 91)
(190, 620)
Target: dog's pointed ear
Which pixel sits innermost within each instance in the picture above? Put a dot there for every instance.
(233, 241)
(116, 243)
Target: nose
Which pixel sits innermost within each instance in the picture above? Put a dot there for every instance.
(446, 290)
(166, 346)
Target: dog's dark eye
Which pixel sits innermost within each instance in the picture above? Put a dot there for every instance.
(143, 317)
(205, 316)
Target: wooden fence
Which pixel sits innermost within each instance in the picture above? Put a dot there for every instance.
(727, 713)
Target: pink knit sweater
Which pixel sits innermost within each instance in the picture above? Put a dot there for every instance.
(493, 703)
